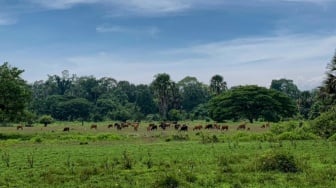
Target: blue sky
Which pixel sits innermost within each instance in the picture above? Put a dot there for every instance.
(247, 42)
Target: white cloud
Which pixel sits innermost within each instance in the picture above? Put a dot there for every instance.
(151, 30)
(243, 61)
(62, 4)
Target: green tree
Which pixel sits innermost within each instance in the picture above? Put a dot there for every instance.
(46, 119)
(162, 90)
(305, 103)
(251, 102)
(59, 85)
(15, 94)
(192, 93)
(328, 89)
(75, 109)
(144, 100)
(324, 125)
(286, 86)
(217, 84)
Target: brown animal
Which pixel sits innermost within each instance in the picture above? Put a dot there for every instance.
(110, 126)
(242, 126)
(118, 126)
(124, 124)
(164, 125)
(93, 127)
(225, 127)
(19, 127)
(198, 127)
(177, 126)
(135, 126)
(66, 129)
(265, 125)
(217, 126)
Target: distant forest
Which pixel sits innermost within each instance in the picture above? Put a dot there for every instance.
(67, 97)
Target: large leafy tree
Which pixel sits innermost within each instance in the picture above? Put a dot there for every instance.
(251, 102)
(192, 93)
(217, 84)
(144, 100)
(14, 94)
(75, 109)
(286, 86)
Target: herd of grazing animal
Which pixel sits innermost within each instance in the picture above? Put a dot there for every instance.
(165, 125)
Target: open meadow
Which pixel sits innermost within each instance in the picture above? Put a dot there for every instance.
(106, 157)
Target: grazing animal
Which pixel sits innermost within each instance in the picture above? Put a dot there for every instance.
(19, 127)
(135, 126)
(184, 128)
(124, 125)
(225, 127)
(197, 127)
(154, 127)
(217, 126)
(66, 129)
(242, 126)
(118, 126)
(265, 125)
(177, 126)
(93, 127)
(110, 126)
(209, 126)
(164, 125)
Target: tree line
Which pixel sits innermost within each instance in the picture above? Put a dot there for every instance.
(68, 97)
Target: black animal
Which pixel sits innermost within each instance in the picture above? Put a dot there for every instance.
(209, 126)
(66, 129)
(184, 128)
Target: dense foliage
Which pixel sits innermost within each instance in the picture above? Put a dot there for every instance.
(87, 98)
(14, 94)
(251, 102)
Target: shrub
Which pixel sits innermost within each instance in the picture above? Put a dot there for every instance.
(277, 161)
(46, 119)
(168, 181)
(179, 137)
(287, 126)
(127, 161)
(325, 124)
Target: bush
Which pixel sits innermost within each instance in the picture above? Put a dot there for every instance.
(277, 161)
(169, 181)
(325, 124)
(46, 119)
(287, 126)
(297, 135)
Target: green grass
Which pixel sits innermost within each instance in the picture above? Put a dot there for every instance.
(49, 157)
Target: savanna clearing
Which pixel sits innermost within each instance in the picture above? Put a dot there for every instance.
(106, 157)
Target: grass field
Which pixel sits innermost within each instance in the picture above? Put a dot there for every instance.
(48, 157)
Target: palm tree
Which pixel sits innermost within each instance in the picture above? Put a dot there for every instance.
(327, 92)
(162, 86)
(217, 84)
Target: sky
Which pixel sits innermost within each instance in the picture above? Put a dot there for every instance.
(245, 41)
